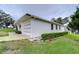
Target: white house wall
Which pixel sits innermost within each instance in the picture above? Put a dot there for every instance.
(40, 27)
(34, 28)
(26, 27)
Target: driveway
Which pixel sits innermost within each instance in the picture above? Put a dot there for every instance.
(13, 37)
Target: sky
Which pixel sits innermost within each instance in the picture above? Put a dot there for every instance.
(46, 11)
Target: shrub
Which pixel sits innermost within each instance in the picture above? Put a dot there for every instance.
(49, 36)
(18, 32)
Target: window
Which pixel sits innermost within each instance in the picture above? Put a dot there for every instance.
(51, 26)
(19, 26)
(56, 26)
(59, 27)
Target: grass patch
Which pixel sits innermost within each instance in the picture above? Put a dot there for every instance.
(59, 46)
(7, 30)
(72, 36)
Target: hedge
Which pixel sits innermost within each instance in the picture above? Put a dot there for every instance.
(18, 32)
(49, 36)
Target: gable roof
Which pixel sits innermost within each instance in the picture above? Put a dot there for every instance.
(29, 16)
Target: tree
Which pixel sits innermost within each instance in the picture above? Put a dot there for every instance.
(5, 19)
(60, 20)
(65, 20)
(74, 24)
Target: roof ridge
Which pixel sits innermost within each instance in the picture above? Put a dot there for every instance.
(41, 18)
(38, 18)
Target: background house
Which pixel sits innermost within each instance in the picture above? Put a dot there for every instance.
(34, 26)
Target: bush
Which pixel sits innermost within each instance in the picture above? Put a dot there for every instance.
(18, 32)
(49, 36)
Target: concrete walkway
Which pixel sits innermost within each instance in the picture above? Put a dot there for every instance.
(13, 37)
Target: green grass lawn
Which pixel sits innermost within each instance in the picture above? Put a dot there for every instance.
(60, 45)
(72, 36)
(7, 30)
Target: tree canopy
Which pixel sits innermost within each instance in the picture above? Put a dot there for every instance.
(5, 19)
(60, 20)
(74, 24)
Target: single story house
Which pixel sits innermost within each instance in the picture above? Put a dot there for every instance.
(33, 26)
